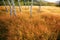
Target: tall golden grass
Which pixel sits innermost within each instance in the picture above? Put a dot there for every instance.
(44, 25)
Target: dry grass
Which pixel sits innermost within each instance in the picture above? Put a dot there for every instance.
(44, 25)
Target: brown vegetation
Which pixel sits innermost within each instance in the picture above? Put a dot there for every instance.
(44, 25)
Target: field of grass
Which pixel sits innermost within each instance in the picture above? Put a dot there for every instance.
(43, 25)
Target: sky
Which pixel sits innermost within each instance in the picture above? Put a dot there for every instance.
(51, 0)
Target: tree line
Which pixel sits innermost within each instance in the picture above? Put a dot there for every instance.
(43, 3)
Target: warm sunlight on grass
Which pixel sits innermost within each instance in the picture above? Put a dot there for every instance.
(44, 25)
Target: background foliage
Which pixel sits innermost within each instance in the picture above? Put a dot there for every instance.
(35, 3)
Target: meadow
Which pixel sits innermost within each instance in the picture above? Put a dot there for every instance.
(43, 25)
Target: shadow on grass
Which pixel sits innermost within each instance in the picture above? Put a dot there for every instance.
(3, 30)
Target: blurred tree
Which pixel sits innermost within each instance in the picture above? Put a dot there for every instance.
(1, 2)
(58, 3)
(36, 2)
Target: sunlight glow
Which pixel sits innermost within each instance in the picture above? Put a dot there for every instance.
(51, 0)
